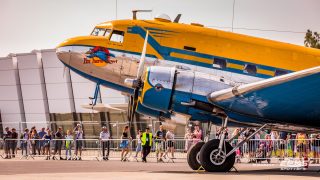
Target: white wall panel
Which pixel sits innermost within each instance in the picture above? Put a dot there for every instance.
(27, 61)
(6, 64)
(106, 92)
(83, 90)
(49, 59)
(30, 76)
(11, 120)
(31, 92)
(8, 93)
(7, 77)
(57, 91)
(9, 107)
(75, 78)
(34, 106)
(55, 75)
(59, 106)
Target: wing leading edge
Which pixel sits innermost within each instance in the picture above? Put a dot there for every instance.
(291, 98)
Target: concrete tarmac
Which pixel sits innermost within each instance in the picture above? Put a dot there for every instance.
(114, 169)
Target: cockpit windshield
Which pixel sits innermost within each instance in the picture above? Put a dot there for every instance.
(101, 32)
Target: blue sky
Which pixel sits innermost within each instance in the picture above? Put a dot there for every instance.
(42, 24)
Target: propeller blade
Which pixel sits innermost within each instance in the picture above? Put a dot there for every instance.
(143, 56)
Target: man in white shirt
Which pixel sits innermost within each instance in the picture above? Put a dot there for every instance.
(105, 143)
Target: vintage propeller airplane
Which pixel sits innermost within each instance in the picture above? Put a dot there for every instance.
(169, 68)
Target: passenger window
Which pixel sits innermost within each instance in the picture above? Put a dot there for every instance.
(108, 31)
(219, 63)
(189, 48)
(98, 32)
(279, 72)
(117, 36)
(250, 69)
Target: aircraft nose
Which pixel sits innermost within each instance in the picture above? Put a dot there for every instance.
(64, 54)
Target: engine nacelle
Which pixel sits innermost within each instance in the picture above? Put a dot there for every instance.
(157, 88)
(141, 109)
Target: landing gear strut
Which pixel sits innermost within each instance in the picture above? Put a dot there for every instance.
(213, 154)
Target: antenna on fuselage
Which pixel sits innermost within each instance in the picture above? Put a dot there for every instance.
(134, 13)
(176, 20)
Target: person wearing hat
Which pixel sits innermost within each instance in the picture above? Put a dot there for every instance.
(105, 143)
(146, 142)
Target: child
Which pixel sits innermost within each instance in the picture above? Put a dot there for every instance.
(69, 139)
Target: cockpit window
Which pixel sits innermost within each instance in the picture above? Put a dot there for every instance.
(99, 32)
(117, 36)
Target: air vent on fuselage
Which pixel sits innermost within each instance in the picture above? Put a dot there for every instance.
(189, 48)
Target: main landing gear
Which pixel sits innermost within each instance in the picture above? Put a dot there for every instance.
(216, 155)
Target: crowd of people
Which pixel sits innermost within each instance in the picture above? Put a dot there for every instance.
(33, 142)
(50, 144)
(281, 144)
(261, 146)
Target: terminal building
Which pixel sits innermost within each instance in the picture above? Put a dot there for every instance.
(37, 90)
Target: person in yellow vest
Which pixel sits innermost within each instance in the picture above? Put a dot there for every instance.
(146, 142)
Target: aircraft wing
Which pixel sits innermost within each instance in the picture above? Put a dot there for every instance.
(105, 107)
(294, 97)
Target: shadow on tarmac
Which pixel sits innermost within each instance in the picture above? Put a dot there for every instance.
(312, 172)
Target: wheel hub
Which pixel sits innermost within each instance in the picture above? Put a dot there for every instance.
(217, 157)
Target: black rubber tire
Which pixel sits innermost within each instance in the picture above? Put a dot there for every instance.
(192, 155)
(206, 163)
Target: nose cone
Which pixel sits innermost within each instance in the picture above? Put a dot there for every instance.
(63, 55)
(74, 49)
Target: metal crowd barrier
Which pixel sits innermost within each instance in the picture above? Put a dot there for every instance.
(255, 150)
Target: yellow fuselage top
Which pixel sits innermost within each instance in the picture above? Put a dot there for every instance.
(206, 47)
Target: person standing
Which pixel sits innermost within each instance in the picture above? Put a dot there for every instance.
(197, 134)
(124, 143)
(105, 143)
(251, 144)
(188, 137)
(316, 148)
(58, 143)
(146, 142)
(302, 145)
(78, 139)
(170, 143)
(24, 142)
(160, 143)
(14, 137)
(47, 139)
(283, 142)
(34, 141)
(69, 140)
(41, 142)
(139, 146)
(7, 142)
